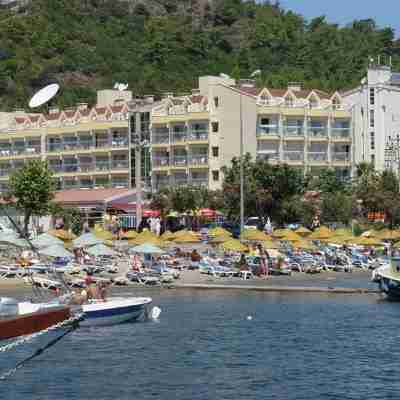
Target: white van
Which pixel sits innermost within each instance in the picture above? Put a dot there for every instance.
(252, 223)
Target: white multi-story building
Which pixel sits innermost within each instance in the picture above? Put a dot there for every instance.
(375, 106)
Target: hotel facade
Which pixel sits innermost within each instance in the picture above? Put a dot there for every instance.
(185, 139)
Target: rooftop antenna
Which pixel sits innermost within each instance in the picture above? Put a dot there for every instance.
(44, 95)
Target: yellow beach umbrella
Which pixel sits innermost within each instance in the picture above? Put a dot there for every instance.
(167, 235)
(269, 244)
(281, 232)
(254, 235)
(219, 239)
(62, 234)
(388, 234)
(342, 232)
(155, 241)
(104, 235)
(218, 231)
(303, 231)
(234, 245)
(321, 233)
(187, 239)
(291, 237)
(303, 245)
(129, 234)
(365, 241)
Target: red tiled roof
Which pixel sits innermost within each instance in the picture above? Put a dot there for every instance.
(20, 120)
(53, 117)
(197, 99)
(100, 110)
(277, 92)
(84, 196)
(116, 109)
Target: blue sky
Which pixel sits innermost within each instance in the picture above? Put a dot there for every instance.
(385, 12)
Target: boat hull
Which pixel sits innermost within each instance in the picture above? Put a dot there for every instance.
(27, 324)
(114, 311)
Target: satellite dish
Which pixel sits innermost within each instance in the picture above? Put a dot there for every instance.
(225, 76)
(44, 95)
(255, 73)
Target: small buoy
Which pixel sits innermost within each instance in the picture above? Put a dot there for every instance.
(155, 313)
(249, 317)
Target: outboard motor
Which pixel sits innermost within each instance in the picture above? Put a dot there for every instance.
(8, 307)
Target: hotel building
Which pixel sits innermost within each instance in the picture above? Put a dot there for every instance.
(194, 136)
(85, 147)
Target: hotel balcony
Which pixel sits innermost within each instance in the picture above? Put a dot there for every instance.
(160, 139)
(341, 133)
(293, 131)
(293, 156)
(5, 172)
(119, 183)
(179, 179)
(198, 159)
(120, 164)
(318, 132)
(198, 136)
(344, 157)
(317, 157)
(179, 161)
(267, 130)
(199, 180)
(160, 181)
(178, 137)
(102, 165)
(8, 150)
(160, 162)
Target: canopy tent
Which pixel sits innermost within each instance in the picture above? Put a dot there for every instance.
(55, 250)
(100, 250)
(85, 240)
(146, 248)
(45, 240)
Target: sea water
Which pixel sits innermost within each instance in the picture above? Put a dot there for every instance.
(205, 346)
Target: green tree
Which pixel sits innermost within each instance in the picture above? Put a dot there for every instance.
(32, 188)
(72, 217)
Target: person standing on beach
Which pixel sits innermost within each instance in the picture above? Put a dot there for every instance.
(264, 262)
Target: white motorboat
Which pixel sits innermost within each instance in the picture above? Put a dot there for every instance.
(114, 310)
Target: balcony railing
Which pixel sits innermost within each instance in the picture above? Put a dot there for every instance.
(178, 137)
(85, 167)
(179, 161)
(318, 132)
(102, 165)
(122, 183)
(293, 155)
(160, 139)
(56, 167)
(198, 135)
(10, 151)
(120, 164)
(340, 133)
(317, 156)
(160, 161)
(293, 130)
(268, 156)
(199, 181)
(70, 184)
(5, 172)
(200, 159)
(70, 168)
(268, 130)
(120, 142)
(341, 157)
(101, 143)
(180, 180)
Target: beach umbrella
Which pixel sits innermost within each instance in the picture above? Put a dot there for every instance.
(269, 244)
(100, 250)
(146, 248)
(388, 234)
(167, 235)
(254, 235)
(303, 245)
(340, 240)
(55, 250)
(185, 233)
(85, 240)
(234, 245)
(218, 231)
(219, 239)
(188, 238)
(291, 237)
(45, 240)
(303, 231)
(156, 241)
(321, 233)
(370, 233)
(62, 234)
(129, 235)
(365, 241)
(281, 232)
(342, 232)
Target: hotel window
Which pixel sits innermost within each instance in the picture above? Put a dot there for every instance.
(372, 96)
(371, 119)
(215, 175)
(372, 134)
(215, 126)
(373, 159)
(216, 102)
(215, 151)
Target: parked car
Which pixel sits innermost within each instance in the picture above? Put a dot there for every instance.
(252, 223)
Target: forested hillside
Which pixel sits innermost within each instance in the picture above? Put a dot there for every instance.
(160, 45)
